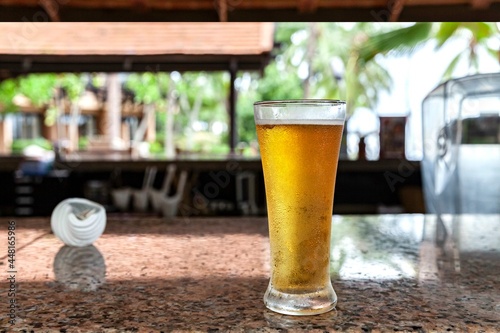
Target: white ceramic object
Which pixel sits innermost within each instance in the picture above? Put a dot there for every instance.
(141, 200)
(170, 205)
(141, 197)
(156, 196)
(121, 198)
(78, 222)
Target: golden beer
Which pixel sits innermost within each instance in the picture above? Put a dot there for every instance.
(300, 166)
(299, 145)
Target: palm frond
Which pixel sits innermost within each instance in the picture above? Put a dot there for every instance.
(480, 30)
(451, 67)
(445, 31)
(400, 41)
(495, 53)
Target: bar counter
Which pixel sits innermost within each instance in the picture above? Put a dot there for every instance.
(392, 273)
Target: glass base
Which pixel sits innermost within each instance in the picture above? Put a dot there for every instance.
(300, 304)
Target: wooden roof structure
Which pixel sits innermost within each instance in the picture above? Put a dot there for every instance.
(133, 47)
(137, 47)
(254, 10)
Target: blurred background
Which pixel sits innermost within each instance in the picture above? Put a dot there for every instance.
(70, 129)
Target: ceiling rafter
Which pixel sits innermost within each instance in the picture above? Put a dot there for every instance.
(396, 7)
(480, 4)
(307, 6)
(222, 10)
(51, 7)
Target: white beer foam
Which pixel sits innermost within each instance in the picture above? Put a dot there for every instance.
(299, 122)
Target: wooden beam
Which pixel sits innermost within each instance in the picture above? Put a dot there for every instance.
(480, 4)
(395, 7)
(423, 10)
(134, 6)
(307, 6)
(222, 10)
(51, 7)
(12, 64)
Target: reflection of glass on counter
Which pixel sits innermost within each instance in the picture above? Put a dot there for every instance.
(285, 322)
(80, 268)
(376, 247)
(454, 245)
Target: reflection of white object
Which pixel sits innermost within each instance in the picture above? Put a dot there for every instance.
(80, 268)
(78, 222)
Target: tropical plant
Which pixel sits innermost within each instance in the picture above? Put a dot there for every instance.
(8, 90)
(38, 88)
(316, 60)
(202, 98)
(319, 60)
(19, 145)
(157, 90)
(406, 40)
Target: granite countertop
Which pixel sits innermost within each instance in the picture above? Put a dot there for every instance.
(392, 273)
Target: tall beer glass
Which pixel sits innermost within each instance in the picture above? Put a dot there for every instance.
(299, 145)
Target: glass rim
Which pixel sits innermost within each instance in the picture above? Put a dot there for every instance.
(301, 101)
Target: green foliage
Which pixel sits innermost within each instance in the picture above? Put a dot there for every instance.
(285, 31)
(445, 31)
(246, 123)
(39, 88)
(480, 30)
(212, 88)
(98, 80)
(83, 142)
(282, 77)
(18, 145)
(407, 40)
(156, 148)
(73, 85)
(149, 87)
(399, 41)
(8, 89)
(279, 84)
(220, 148)
(313, 60)
(451, 67)
(51, 115)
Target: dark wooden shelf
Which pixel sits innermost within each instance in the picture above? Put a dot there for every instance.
(220, 162)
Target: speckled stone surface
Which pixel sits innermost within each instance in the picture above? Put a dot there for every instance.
(392, 273)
